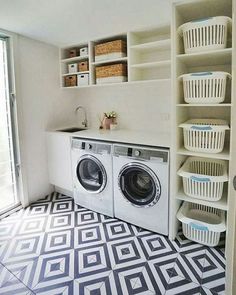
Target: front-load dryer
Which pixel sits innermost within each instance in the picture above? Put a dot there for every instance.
(92, 175)
(141, 181)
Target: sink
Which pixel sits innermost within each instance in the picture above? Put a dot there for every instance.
(71, 129)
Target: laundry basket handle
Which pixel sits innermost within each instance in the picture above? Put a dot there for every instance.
(203, 128)
(198, 226)
(200, 179)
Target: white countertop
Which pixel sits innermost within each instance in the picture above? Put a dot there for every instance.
(123, 136)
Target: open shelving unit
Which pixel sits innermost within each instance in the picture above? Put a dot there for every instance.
(182, 63)
(148, 57)
(149, 54)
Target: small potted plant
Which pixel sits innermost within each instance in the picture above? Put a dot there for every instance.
(108, 119)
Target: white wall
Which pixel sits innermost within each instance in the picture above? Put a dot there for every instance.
(144, 106)
(43, 105)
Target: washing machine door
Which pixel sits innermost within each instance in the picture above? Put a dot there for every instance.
(139, 185)
(91, 174)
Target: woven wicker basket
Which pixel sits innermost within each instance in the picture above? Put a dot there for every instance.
(110, 47)
(113, 70)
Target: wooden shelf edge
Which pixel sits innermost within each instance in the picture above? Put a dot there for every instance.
(221, 204)
(224, 155)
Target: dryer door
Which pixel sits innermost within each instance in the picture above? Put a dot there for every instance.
(91, 174)
(139, 185)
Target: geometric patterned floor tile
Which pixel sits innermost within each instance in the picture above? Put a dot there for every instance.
(62, 206)
(156, 247)
(91, 260)
(89, 235)
(58, 241)
(180, 285)
(60, 221)
(99, 283)
(58, 247)
(125, 252)
(190, 266)
(23, 247)
(118, 230)
(65, 288)
(53, 269)
(9, 284)
(86, 217)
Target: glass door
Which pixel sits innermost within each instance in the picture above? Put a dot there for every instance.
(91, 174)
(139, 185)
(8, 174)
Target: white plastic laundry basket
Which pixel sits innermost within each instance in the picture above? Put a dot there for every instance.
(204, 135)
(205, 87)
(205, 34)
(202, 224)
(204, 178)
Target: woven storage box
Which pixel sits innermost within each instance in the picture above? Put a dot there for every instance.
(71, 81)
(83, 66)
(205, 34)
(205, 87)
(202, 224)
(204, 178)
(204, 135)
(110, 50)
(111, 73)
(73, 52)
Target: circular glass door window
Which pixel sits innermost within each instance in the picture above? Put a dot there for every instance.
(139, 185)
(91, 174)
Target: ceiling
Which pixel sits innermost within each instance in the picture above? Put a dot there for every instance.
(67, 22)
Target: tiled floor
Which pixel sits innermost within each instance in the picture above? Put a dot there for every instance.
(57, 247)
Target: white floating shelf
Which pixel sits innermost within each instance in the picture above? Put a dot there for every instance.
(77, 73)
(204, 105)
(76, 58)
(103, 62)
(151, 64)
(160, 44)
(224, 155)
(209, 58)
(221, 204)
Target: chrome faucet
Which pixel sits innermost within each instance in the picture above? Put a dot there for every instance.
(85, 122)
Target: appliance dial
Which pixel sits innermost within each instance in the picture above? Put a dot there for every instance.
(137, 153)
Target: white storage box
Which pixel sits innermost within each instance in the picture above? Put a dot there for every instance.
(205, 87)
(72, 68)
(205, 34)
(204, 135)
(83, 51)
(204, 178)
(201, 223)
(83, 79)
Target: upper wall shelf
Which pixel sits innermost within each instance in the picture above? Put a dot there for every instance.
(147, 58)
(160, 44)
(74, 59)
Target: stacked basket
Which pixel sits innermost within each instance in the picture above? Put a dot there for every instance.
(204, 178)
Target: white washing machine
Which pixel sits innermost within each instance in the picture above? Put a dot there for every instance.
(92, 175)
(141, 180)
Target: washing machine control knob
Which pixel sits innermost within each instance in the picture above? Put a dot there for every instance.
(137, 153)
(90, 146)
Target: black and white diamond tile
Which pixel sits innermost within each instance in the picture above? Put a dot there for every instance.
(86, 217)
(62, 206)
(125, 252)
(117, 230)
(57, 247)
(89, 235)
(92, 260)
(58, 241)
(60, 221)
